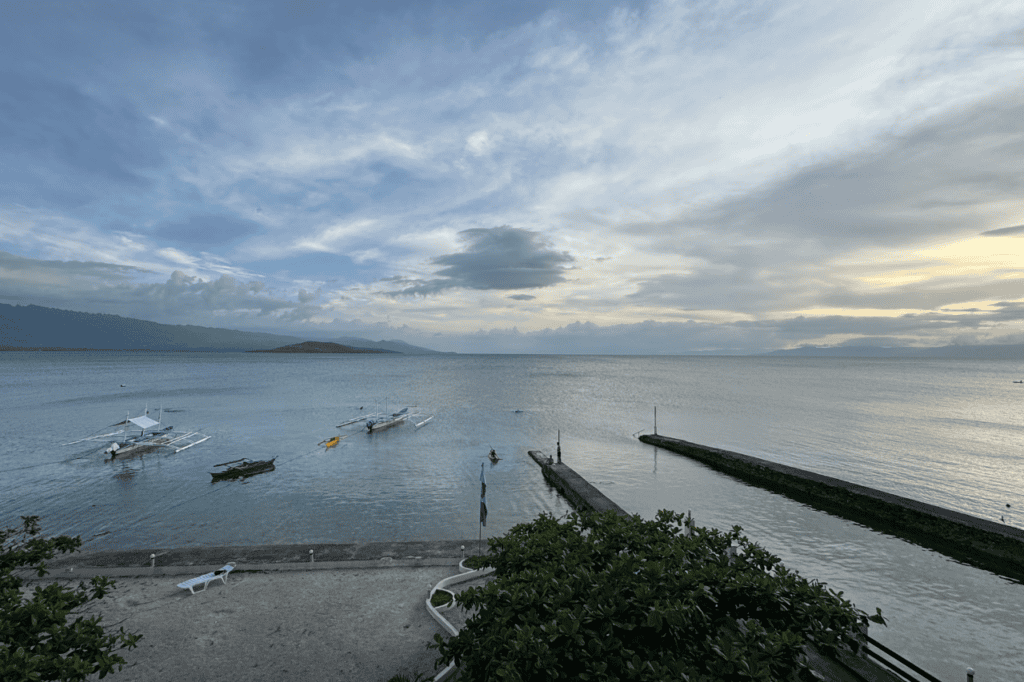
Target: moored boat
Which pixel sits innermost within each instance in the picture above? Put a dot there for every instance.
(242, 468)
(147, 439)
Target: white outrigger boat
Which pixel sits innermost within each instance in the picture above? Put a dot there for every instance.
(130, 443)
(385, 420)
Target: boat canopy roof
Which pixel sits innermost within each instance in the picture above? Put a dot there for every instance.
(143, 422)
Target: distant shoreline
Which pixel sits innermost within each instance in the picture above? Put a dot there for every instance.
(124, 350)
(285, 349)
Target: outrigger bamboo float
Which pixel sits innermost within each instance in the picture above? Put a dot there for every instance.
(242, 468)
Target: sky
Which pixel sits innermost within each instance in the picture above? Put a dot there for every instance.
(521, 177)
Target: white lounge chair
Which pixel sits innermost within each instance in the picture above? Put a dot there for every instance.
(220, 574)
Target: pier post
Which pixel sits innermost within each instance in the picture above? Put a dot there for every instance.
(970, 675)
(310, 556)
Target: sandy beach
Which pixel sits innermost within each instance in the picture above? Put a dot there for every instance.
(352, 623)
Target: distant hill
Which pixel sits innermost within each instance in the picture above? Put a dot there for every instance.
(320, 347)
(37, 327)
(991, 352)
(394, 346)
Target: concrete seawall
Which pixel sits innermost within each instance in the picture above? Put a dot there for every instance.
(189, 560)
(985, 544)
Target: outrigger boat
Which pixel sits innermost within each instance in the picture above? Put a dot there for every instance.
(142, 442)
(385, 420)
(242, 468)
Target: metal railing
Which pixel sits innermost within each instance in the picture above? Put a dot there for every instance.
(915, 674)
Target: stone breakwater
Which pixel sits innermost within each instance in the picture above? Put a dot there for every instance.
(985, 544)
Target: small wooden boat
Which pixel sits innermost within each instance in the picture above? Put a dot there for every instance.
(242, 468)
(493, 456)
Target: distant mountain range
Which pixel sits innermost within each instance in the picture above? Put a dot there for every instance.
(32, 326)
(1001, 352)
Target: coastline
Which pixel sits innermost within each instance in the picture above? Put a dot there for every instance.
(296, 557)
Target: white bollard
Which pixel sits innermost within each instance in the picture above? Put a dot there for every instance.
(152, 560)
(463, 551)
(310, 556)
(970, 675)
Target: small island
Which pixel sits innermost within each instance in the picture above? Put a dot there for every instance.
(318, 347)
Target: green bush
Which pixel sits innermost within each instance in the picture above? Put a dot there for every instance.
(475, 562)
(440, 598)
(37, 641)
(604, 597)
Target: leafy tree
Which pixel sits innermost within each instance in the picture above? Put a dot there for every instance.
(36, 640)
(604, 597)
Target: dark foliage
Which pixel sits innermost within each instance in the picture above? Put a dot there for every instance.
(41, 635)
(602, 597)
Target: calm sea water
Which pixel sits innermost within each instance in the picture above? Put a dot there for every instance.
(945, 432)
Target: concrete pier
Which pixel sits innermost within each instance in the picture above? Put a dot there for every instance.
(985, 544)
(581, 495)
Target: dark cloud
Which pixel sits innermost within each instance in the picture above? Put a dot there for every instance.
(522, 297)
(49, 283)
(63, 145)
(1003, 231)
(207, 229)
(503, 258)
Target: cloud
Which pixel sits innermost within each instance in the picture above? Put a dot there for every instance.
(1004, 231)
(207, 229)
(184, 295)
(103, 287)
(59, 282)
(522, 297)
(51, 130)
(502, 258)
(935, 293)
(949, 175)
